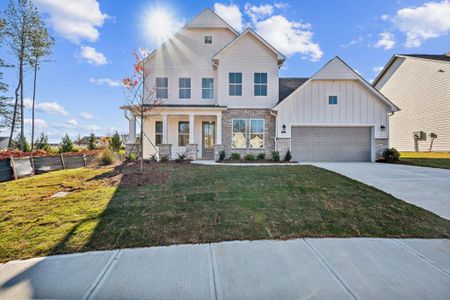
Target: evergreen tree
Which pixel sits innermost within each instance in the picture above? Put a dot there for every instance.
(66, 144)
(115, 142)
(42, 142)
(91, 142)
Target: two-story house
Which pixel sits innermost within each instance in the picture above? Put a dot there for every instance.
(220, 90)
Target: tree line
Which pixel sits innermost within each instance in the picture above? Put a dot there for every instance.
(24, 33)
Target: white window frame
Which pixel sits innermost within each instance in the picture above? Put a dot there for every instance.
(208, 88)
(246, 132)
(158, 133)
(204, 39)
(261, 84)
(328, 99)
(166, 88)
(235, 84)
(263, 133)
(185, 88)
(183, 134)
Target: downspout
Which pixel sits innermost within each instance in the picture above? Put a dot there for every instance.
(273, 113)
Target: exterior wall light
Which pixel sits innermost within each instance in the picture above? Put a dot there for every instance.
(283, 130)
(383, 128)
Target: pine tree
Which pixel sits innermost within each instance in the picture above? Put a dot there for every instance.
(42, 142)
(91, 142)
(66, 144)
(115, 142)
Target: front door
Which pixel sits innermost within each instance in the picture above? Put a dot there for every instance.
(208, 139)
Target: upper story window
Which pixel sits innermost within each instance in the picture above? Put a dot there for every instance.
(239, 137)
(207, 39)
(260, 80)
(183, 133)
(158, 133)
(257, 133)
(332, 100)
(184, 85)
(235, 84)
(207, 88)
(162, 85)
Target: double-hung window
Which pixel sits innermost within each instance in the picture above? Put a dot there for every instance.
(158, 133)
(332, 100)
(239, 138)
(207, 88)
(235, 84)
(260, 80)
(162, 85)
(184, 85)
(256, 133)
(183, 133)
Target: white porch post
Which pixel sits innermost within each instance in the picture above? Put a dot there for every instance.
(219, 128)
(132, 129)
(165, 129)
(191, 129)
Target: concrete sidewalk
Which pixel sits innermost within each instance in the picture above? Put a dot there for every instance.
(360, 268)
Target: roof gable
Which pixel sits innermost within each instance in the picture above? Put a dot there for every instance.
(280, 57)
(209, 19)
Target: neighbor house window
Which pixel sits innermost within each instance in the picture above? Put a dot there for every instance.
(256, 133)
(332, 100)
(235, 84)
(208, 39)
(207, 88)
(158, 133)
(260, 80)
(239, 138)
(184, 85)
(183, 133)
(162, 84)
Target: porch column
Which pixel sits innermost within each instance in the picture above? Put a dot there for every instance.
(191, 129)
(219, 128)
(131, 129)
(165, 129)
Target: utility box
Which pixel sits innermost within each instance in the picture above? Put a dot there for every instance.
(419, 135)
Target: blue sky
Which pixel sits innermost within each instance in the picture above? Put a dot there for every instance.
(79, 90)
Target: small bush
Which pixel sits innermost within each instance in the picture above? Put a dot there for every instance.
(275, 156)
(221, 155)
(288, 156)
(66, 144)
(249, 157)
(131, 156)
(181, 157)
(391, 155)
(91, 142)
(261, 156)
(164, 158)
(235, 156)
(153, 157)
(42, 143)
(107, 157)
(115, 142)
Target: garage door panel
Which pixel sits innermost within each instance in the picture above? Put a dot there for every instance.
(331, 143)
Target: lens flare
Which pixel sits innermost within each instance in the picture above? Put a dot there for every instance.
(159, 25)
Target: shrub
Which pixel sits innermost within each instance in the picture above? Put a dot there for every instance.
(26, 145)
(391, 155)
(131, 156)
(288, 156)
(164, 158)
(153, 157)
(249, 156)
(261, 156)
(53, 150)
(115, 142)
(91, 142)
(275, 156)
(66, 144)
(107, 157)
(235, 156)
(42, 143)
(181, 157)
(221, 155)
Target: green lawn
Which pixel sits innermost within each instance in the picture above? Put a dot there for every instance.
(182, 203)
(426, 159)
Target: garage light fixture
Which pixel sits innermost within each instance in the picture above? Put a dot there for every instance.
(283, 130)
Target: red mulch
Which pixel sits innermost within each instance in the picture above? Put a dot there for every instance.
(256, 161)
(4, 154)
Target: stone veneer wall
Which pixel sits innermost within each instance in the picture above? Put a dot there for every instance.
(380, 145)
(191, 151)
(269, 133)
(283, 145)
(165, 150)
(217, 149)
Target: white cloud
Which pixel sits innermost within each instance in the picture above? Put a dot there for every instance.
(386, 41)
(431, 20)
(46, 107)
(378, 69)
(231, 14)
(72, 122)
(87, 116)
(289, 37)
(258, 12)
(281, 5)
(92, 56)
(74, 20)
(38, 123)
(106, 81)
(384, 17)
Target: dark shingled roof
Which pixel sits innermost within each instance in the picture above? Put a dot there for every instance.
(442, 57)
(289, 85)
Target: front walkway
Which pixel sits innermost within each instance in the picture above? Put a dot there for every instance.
(355, 268)
(428, 188)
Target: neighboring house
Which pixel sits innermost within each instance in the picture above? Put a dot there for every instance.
(4, 142)
(220, 90)
(420, 85)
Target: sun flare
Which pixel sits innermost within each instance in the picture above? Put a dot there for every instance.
(159, 24)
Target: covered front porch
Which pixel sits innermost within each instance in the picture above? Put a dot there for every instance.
(171, 132)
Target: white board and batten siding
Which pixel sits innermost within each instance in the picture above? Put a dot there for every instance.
(422, 92)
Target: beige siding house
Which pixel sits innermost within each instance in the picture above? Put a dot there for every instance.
(420, 86)
(220, 91)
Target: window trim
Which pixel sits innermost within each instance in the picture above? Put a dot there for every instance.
(183, 134)
(184, 88)
(234, 84)
(328, 99)
(246, 133)
(213, 96)
(204, 39)
(263, 133)
(260, 84)
(158, 133)
(161, 88)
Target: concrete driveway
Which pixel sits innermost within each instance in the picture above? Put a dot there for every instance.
(428, 188)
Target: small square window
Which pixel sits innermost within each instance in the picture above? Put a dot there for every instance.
(332, 100)
(208, 39)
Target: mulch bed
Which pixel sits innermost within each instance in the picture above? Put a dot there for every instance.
(5, 154)
(242, 161)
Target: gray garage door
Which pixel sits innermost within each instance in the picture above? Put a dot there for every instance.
(330, 143)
